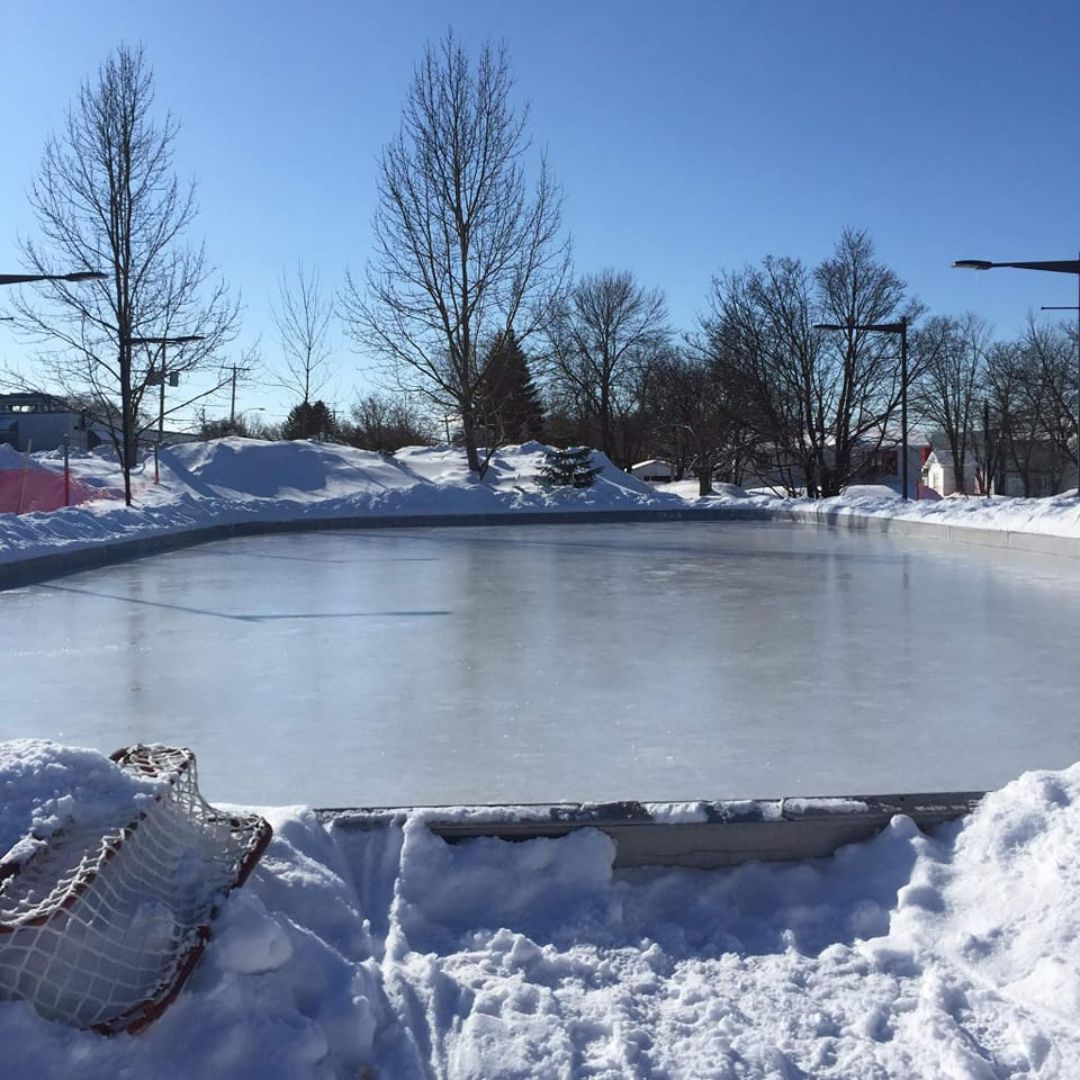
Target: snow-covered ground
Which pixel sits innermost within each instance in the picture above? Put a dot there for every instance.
(232, 480)
(1057, 515)
(390, 953)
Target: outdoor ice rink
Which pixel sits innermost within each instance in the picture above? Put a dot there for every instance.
(591, 662)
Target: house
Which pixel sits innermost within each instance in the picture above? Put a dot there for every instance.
(39, 421)
(876, 461)
(1046, 472)
(653, 471)
(939, 473)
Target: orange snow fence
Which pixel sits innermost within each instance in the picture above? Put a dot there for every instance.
(38, 490)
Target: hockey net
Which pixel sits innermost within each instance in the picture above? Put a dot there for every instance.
(100, 931)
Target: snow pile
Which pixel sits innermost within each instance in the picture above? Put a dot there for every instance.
(389, 950)
(415, 480)
(1056, 515)
(236, 480)
(28, 485)
(43, 787)
(10, 458)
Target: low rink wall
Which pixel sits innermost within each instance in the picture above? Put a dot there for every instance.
(90, 555)
(700, 835)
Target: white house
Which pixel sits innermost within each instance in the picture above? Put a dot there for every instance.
(939, 474)
(653, 471)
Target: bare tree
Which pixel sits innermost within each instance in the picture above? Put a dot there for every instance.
(760, 340)
(385, 423)
(464, 250)
(603, 335)
(302, 316)
(106, 198)
(693, 424)
(1031, 383)
(819, 401)
(855, 289)
(952, 361)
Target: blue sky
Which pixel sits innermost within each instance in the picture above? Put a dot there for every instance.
(689, 137)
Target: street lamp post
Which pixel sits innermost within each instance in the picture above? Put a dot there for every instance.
(1054, 266)
(889, 328)
(183, 339)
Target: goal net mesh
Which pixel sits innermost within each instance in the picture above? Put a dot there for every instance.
(100, 931)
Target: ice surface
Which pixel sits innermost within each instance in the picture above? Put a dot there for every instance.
(654, 662)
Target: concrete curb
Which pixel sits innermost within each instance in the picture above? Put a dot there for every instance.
(37, 568)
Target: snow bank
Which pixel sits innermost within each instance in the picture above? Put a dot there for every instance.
(391, 950)
(1057, 515)
(234, 480)
(43, 787)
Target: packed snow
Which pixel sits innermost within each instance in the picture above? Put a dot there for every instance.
(390, 953)
(234, 480)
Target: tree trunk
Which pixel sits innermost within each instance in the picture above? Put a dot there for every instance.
(468, 434)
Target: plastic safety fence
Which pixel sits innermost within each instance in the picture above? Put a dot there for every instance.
(38, 490)
(100, 931)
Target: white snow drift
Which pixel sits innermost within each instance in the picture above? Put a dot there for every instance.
(954, 956)
(233, 480)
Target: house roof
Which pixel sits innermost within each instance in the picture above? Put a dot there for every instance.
(34, 401)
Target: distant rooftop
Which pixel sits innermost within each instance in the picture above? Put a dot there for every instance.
(34, 401)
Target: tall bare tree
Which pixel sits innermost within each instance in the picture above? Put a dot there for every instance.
(816, 398)
(952, 360)
(760, 341)
(105, 197)
(603, 335)
(1031, 390)
(856, 289)
(465, 248)
(694, 425)
(302, 316)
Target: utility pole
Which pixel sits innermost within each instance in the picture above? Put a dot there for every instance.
(161, 376)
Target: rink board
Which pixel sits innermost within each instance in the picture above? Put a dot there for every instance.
(697, 835)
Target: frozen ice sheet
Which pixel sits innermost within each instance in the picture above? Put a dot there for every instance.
(669, 661)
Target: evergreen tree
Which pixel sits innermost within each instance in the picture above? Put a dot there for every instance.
(569, 468)
(509, 402)
(309, 420)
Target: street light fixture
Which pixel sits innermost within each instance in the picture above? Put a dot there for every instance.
(1055, 266)
(889, 328)
(79, 275)
(24, 279)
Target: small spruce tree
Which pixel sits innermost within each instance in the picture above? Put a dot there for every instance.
(509, 403)
(571, 467)
(309, 420)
